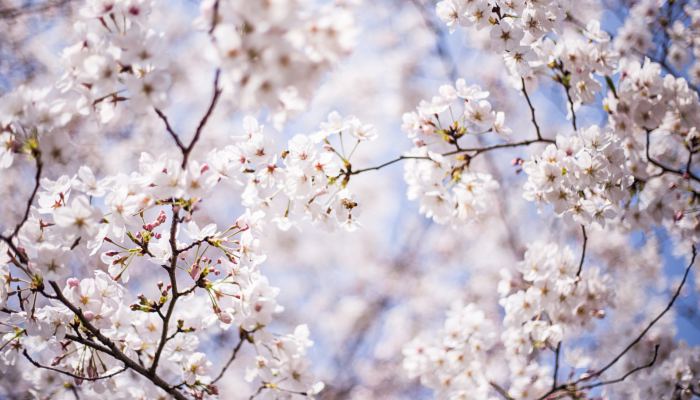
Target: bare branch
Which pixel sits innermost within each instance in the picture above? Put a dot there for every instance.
(532, 109)
(650, 325)
(685, 174)
(205, 118)
(571, 105)
(556, 366)
(170, 130)
(243, 337)
(174, 294)
(475, 150)
(583, 251)
(114, 350)
(630, 372)
(569, 385)
(500, 390)
(187, 149)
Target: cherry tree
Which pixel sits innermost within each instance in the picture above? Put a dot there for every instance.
(460, 199)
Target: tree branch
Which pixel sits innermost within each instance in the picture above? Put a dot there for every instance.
(532, 109)
(583, 251)
(569, 385)
(187, 149)
(205, 118)
(556, 365)
(630, 372)
(475, 150)
(684, 174)
(114, 350)
(243, 335)
(72, 375)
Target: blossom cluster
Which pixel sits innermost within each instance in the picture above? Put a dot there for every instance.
(146, 215)
(582, 176)
(118, 57)
(516, 28)
(678, 23)
(438, 170)
(657, 118)
(455, 365)
(147, 253)
(581, 61)
(273, 53)
(552, 298)
(676, 375)
(548, 301)
(307, 180)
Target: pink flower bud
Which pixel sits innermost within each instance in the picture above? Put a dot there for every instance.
(194, 271)
(89, 315)
(72, 283)
(678, 215)
(225, 317)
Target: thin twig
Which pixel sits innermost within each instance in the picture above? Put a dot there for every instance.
(114, 349)
(651, 324)
(630, 372)
(205, 118)
(187, 149)
(174, 294)
(556, 366)
(532, 109)
(72, 375)
(500, 390)
(475, 150)
(243, 338)
(685, 174)
(569, 385)
(583, 251)
(170, 130)
(571, 105)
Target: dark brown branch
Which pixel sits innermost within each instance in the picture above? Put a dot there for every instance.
(174, 294)
(556, 365)
(89, 343)
(625, 376)
(475, 150)
(500, 390)
(173, 227)
(532, 109)
(257, 392)
(114, 350)
(214, 18)
(569, 385)
(27, 209)
(571, 105)
(651, 324)
(243, 337)
(72, 375)
(386, 164)
(170, 130)
(187, 149)
(684, 174)
(583, 251)
(205, 118)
